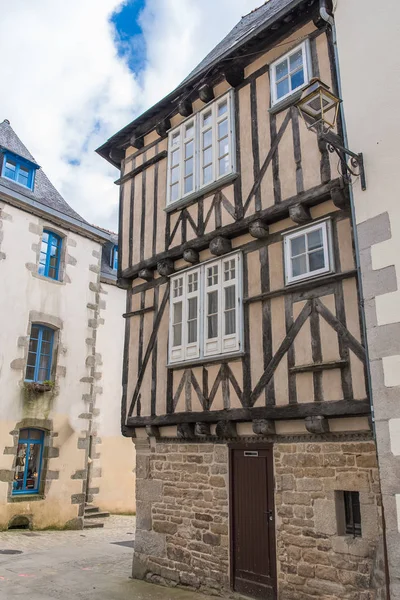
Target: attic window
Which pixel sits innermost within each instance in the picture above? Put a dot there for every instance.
(290, 73)
(18, 169)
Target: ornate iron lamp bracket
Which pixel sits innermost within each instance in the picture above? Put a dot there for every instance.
(351, 164)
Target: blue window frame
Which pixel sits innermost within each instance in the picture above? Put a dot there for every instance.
(28, 464)
(114, 258)
(40, 354)
(50, 254)
(19, 170)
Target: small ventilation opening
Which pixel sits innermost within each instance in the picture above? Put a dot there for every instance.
(348, 513)
(19, 523)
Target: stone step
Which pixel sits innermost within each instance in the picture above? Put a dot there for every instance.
(97, 515)
(93, 525)
(91, 509)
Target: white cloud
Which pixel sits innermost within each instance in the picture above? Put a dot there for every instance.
(65, 90)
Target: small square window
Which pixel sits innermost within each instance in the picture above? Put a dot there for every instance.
(290, 73)
(308, 252)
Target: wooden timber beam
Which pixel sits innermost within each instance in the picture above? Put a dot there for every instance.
(269, 215)
(152, 161)
(330, 409)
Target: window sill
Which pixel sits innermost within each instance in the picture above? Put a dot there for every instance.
(201, 192)
(205, 360)
(44, 278)
(286, 102)
(310, 278)
(26, 498)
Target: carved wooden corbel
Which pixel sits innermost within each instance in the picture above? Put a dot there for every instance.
(146, 274)
(137, 141)
(300, 214)
(163, 127)
(202, 430)
(191, 256)
(340, 197)
(165, 267)
(316, 424)
(258, 229)
(206, 93)
(226, 429)
(234, 75)
(185, 431)
(116, 154)
(152, 431)
(220, 245)
(263, 427)
(185, 108)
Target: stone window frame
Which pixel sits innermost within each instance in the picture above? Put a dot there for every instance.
(329, 516)
(54, 324)
(20, 364)
(49, 451)
(65, 258)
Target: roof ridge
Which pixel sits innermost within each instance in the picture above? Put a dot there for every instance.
(255, 9)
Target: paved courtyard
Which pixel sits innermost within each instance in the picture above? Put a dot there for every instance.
(78, 565)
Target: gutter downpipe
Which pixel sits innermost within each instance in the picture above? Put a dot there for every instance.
(328, 18)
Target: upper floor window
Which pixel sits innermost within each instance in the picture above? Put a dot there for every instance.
(40, 354)
(308, 252)
(114, 258)
(205, 310)
(18, 169)
(50, 254)
(200, 150)
(290, 72)
(28, 462)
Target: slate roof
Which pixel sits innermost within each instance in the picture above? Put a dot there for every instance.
(106, 269)
(43, 191)
(258, 18)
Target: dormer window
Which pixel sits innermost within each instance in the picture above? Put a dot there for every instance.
(19, 170)
(114, 258)
(201, 150)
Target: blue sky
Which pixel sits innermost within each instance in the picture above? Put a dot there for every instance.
(129, 40)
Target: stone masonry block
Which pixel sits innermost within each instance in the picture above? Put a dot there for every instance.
(150, 543)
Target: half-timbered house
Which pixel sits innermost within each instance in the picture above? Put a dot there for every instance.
(244, 385)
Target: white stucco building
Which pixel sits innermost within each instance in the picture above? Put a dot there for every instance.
(61, 347)
(367, 43)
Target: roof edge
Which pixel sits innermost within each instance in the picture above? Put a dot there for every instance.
(22, 201)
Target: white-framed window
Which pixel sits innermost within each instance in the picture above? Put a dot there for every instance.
(201, 149)
(206, 310)
(290, 72)
(308, 252)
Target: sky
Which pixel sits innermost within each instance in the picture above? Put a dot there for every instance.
(74, 73)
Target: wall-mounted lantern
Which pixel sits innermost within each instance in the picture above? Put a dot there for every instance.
(319, 108)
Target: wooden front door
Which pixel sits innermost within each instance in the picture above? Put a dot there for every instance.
(253, 555)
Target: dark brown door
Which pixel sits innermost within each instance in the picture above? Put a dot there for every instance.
(253, 556)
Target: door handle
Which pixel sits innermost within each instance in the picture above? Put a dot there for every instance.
(270, 514)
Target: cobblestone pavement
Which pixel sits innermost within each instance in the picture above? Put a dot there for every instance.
(78, 565)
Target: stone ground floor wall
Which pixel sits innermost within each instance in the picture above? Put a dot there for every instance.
(182, 535)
